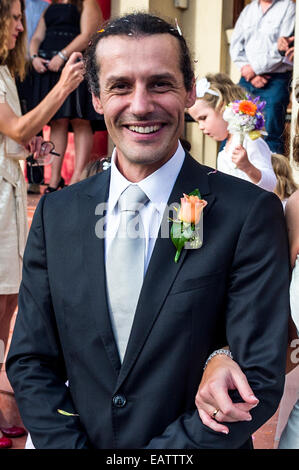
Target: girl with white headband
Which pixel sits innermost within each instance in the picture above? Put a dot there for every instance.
(250, 161)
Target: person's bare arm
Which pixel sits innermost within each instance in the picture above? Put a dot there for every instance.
(90, 20)
(23, 128)
(39, 35)
(240, 159)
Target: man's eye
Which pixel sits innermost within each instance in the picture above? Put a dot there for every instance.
(162, 85)
(120, 87)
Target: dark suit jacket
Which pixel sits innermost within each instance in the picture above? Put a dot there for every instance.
(233, 290)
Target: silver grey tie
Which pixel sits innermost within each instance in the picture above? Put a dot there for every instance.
(125, 265)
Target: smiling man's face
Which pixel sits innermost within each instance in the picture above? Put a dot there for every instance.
(142, 97)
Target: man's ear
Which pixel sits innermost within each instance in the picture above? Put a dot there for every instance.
(191, 95)
(97, 104)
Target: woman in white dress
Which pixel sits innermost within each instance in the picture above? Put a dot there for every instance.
(17, 140)
(250, 161)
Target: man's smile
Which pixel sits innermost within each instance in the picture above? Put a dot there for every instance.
(145, 129)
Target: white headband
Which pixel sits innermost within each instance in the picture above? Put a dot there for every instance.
(203, 87)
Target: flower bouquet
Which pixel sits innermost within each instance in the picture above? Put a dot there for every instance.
(185, 229)
(245, 117)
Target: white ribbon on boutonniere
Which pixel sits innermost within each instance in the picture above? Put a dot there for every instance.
(186, 230)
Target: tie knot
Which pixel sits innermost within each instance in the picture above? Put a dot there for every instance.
(132, 198)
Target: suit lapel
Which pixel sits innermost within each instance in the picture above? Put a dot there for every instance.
(94, 260)
(162, 265)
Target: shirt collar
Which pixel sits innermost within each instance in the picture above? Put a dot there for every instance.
(258, 2)
(157, 186)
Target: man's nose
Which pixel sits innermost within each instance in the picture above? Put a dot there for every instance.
(141, 101)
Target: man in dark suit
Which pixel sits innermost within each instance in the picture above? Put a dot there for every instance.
(133, 372)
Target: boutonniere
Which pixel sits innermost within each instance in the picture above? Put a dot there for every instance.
(185, 230)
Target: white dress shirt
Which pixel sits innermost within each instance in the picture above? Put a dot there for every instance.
(259, 154)
(157, 187)
(254, 39)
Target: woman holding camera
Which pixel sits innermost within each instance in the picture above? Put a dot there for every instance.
(17, 141)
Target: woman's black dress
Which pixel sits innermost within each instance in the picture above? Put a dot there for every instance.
(63, 25)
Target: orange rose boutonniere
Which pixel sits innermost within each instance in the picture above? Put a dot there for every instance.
(185, 228)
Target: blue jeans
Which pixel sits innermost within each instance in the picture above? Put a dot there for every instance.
(276, 93)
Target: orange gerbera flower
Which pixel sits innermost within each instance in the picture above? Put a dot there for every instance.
(247, 107)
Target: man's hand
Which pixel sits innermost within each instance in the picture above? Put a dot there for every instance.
(290, 54)
(247, 72)
(259, 81)
(223, 374)
(283, 43)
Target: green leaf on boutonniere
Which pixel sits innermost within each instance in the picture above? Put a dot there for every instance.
(177, 239)
(66, 413)
(180, 234)
(195, 193)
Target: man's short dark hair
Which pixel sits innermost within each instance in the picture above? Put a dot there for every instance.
(136, 25)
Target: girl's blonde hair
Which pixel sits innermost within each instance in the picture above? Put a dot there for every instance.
(16, 58)
(227, 90)
(286, 185)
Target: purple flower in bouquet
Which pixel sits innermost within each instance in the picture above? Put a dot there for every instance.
(260, 121)
(259, 104)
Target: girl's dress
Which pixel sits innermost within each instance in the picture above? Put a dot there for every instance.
(259, 154)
